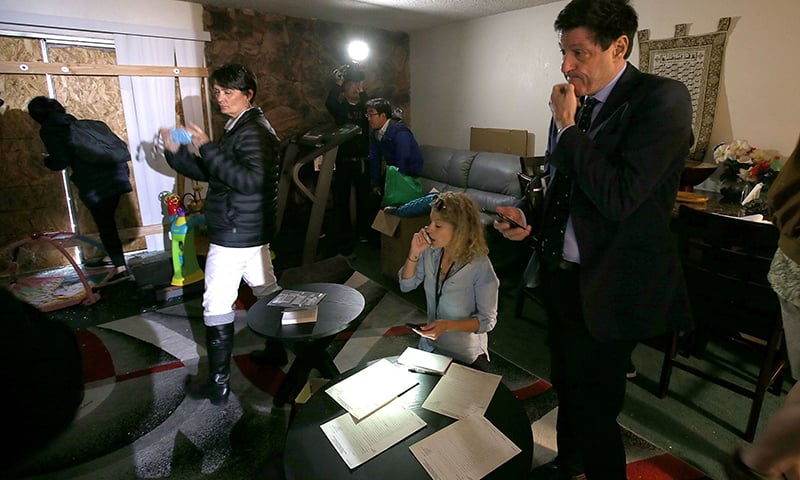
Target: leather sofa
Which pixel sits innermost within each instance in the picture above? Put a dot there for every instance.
(489, 178)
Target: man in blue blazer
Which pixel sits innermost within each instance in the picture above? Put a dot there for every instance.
(610, 273)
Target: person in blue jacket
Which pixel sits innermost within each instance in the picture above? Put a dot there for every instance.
(390, 143)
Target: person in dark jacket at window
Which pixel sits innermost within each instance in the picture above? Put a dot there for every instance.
(101, 182)
(391, 143)
(346, 103)
(241, 169)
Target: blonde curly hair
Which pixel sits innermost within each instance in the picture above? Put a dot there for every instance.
(460, 210)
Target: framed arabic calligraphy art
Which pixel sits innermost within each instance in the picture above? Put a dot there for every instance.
(695, 60)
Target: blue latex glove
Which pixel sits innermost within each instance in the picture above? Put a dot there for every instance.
(181, 136)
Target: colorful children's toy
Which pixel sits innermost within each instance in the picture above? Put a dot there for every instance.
(184, 257)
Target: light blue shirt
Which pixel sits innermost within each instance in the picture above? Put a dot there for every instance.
(470, 290)
(571, 251)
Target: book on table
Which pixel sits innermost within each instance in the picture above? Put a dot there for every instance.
(293, 316)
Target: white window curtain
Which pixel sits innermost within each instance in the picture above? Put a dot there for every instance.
(192, 54)
(149, 104)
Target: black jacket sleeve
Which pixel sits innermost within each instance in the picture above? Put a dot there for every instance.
(54, 137)
(187, 164)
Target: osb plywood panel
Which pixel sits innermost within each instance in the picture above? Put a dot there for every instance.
(30, 194)
(98, 98)
(293, 60)
(86, 96)
(32, 198)
(20, 49)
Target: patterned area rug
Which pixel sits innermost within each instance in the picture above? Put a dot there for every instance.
(135, 421)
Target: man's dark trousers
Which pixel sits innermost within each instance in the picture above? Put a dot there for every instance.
(352, 172)
(589, 439)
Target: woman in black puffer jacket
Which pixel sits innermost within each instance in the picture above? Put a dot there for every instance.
(101, 180)
(241, 169)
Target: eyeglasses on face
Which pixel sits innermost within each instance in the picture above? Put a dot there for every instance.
(371, 114)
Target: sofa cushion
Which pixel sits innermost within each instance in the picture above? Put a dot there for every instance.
(489, 178)
(493, 180)
(445, 169)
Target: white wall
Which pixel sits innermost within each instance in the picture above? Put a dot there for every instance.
(497, 71)
(148, 15)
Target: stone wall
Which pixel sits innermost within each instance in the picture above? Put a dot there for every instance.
(293, 60)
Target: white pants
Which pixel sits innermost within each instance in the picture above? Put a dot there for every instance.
(226, 267)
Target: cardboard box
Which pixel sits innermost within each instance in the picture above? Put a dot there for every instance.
(515, 142)
(396, 233)
(385, 223)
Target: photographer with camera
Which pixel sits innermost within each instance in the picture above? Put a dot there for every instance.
(346, 103)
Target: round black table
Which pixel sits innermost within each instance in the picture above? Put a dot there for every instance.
(337, 310)
(309, 453)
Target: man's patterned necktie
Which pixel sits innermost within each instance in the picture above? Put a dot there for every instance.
(556, 223)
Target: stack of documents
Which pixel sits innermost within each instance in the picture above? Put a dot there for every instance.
(462, 392)
(371, 388)
(470, 448)
(376, 419)
(296, 299)
(299, 306)
(357, 442)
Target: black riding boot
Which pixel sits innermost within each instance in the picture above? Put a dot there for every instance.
(219, 343)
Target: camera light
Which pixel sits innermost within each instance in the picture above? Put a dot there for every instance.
(358, 50)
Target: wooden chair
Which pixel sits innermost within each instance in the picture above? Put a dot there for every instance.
(725, 262)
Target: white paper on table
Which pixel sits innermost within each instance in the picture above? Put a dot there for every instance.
(357, 442)
(469, 448)
(431, 362)
(462, 392)
(371, 388)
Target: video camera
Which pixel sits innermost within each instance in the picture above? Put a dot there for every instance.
(339, 71)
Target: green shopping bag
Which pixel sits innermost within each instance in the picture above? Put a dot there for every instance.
(399, 188)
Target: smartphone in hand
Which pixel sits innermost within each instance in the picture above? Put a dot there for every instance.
(415, 327)
(499, 217)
